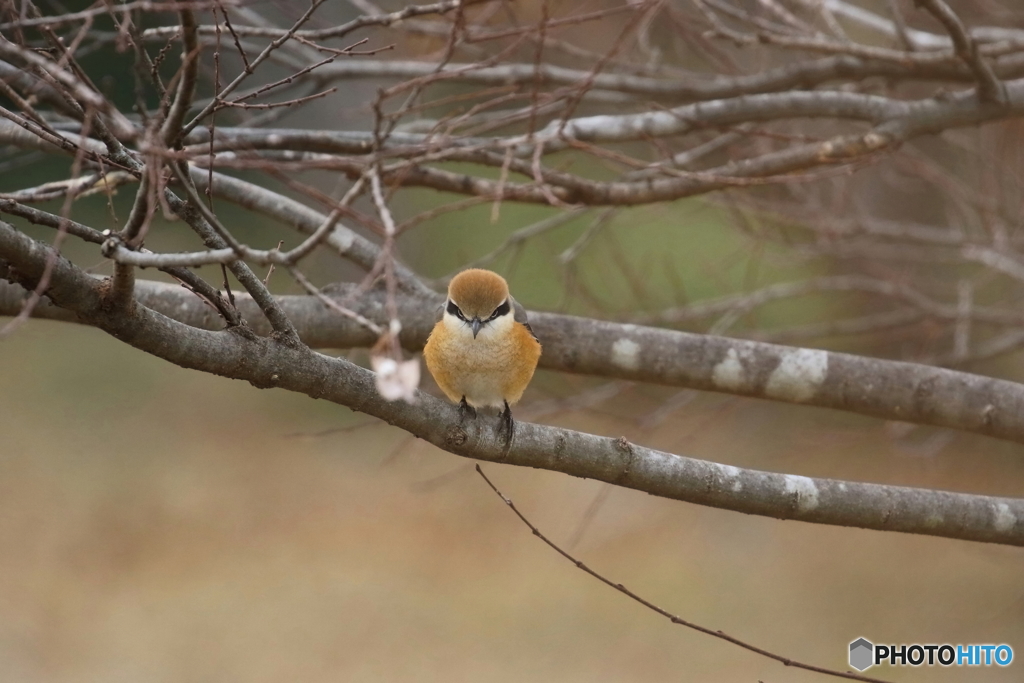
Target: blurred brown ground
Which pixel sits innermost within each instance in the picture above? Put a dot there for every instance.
(161, 525)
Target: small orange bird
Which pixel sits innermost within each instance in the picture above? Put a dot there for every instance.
(482, 351)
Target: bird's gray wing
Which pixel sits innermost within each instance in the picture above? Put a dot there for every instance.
(519, 316)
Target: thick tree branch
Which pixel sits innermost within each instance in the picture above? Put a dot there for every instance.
(890, 390)
(933, 114)
(896, 122)
(745, 105)
(267, 362)
(696, 87)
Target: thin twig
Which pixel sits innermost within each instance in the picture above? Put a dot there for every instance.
(668, 615)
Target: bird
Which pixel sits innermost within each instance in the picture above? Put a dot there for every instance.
(482, 351)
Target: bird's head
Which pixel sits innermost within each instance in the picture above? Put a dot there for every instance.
(478, 298)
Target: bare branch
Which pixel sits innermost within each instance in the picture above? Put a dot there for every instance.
(172, 129)
(266, 362)
(989, 87)
(325, 34)
(823, 119)
(122, 127)
(251, 67)
(124, 8)
(342, 239)
(880, 388)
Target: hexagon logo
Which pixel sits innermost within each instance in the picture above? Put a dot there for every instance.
(861, 654)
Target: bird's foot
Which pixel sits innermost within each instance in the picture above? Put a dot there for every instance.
(465, 410)
(507, 426)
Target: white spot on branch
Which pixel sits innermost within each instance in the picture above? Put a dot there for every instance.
(626, 354)
(798, 375)
(342, 239)
(1003, 519)
(728, 374)
(729, 471)
(805, 490)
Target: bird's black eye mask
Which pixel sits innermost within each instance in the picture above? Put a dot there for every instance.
(454, 310)
(501, 310)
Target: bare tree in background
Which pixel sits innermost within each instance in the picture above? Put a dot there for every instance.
(826, 127)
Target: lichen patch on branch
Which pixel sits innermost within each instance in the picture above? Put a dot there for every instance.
(1003, 519)
(730, 473)
(799, 374)
(729, 373)
(626, 354)
(804, 491)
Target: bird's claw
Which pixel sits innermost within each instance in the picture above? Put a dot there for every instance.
(506, 424)
(465, 410)
(506, 428)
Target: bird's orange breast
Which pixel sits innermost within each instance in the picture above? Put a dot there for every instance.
(488, 370)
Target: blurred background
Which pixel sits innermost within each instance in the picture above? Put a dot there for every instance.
(158, 524)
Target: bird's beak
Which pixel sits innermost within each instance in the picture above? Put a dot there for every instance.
(476, 326)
